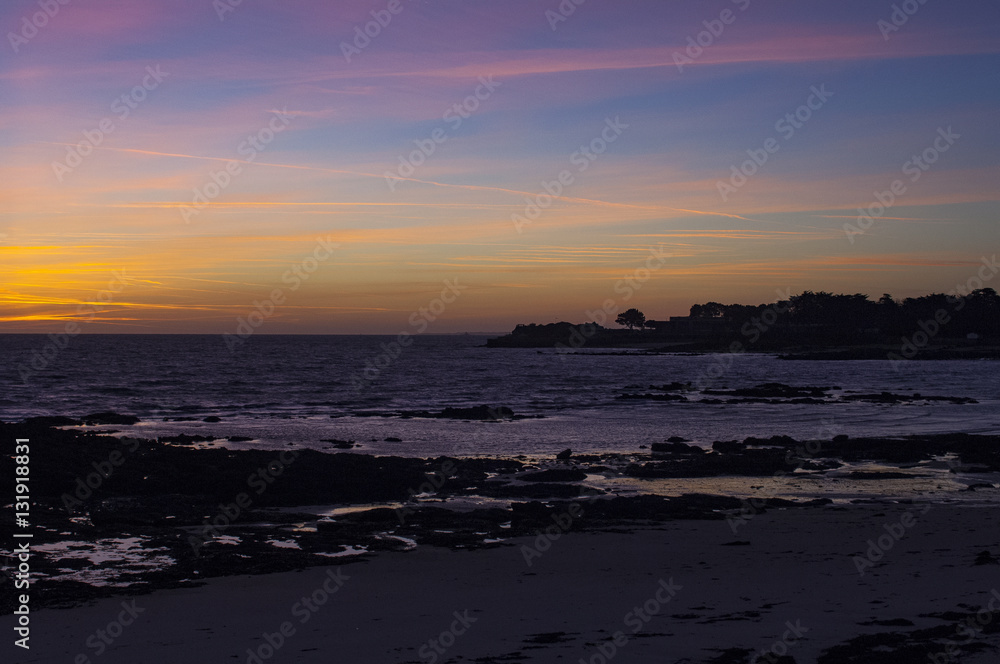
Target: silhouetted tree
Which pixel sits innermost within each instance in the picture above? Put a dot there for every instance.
(709, 310)
(631, 318)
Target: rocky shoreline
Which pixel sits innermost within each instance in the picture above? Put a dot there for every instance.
(183, 515)
(777, 394)
(128, 516)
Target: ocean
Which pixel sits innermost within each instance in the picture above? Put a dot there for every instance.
(300, 390)
(280, 392)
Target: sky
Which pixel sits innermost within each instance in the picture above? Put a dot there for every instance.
(378, 166)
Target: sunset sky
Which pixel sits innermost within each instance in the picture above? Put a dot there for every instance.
(327, 130)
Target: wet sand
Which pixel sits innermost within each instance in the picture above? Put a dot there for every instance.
(792, 583)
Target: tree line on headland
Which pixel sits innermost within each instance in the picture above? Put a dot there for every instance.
(808, 319)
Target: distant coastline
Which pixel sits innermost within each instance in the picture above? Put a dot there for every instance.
(569, 338)
(816, 326)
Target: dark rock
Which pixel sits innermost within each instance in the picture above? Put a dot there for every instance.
(535, 490)
(673, 387)
(152, 469)
(986, 558)
(170, 509)
(728, 446)
(677, 448)
(185, 439)
(393, 439)
(890, 398)
(773, 391)
(660, 508)
(109, 418)
(378, 515)
(52, 421)
(565, 454)
(773, 441)
(746, 463)
(212, 418)
(339, 444)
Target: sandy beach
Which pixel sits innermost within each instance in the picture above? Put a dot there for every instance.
(789, 583)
